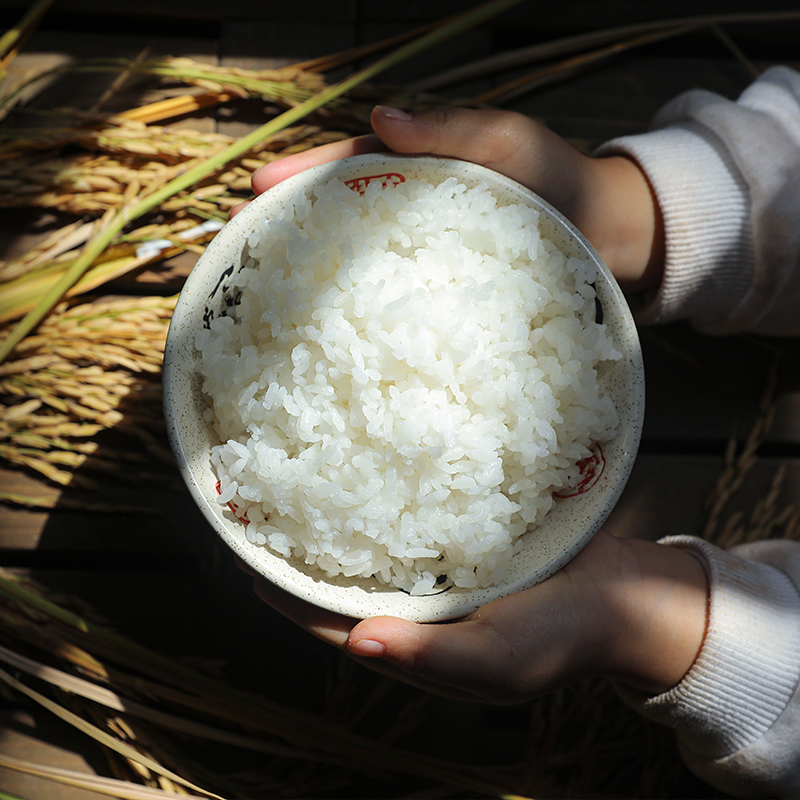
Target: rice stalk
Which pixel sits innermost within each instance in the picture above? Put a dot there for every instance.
(51, 247)
(123, 790)
(17, 456)
(12, 40)
(133, 140)
(145, 245)
(586, 43)
(178, 106)
(116, 84)
(567, 67)
(286, 87)
(340, 59)
(90, 368)
(141, 205)
(305, 735)
(582, 742)
(767, 519)
(108, 741)
(21, 294)
(111, 700)
(27, 629)
(73, 503)
(737, 52)
(770, 516)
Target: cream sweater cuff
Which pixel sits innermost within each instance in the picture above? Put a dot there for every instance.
(748, 668)
(705, 207)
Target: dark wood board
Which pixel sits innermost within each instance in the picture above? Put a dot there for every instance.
(164, 578)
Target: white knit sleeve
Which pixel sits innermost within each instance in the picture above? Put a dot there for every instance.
(726, 175)
(737, 711)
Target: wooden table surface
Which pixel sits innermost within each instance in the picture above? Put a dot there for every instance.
(163, 579)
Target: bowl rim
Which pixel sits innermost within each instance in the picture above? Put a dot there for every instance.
(174, 371)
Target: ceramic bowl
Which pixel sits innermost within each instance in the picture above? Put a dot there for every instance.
(565, 529)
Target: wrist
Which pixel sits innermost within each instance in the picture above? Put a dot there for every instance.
(661, 607)
(626, 223)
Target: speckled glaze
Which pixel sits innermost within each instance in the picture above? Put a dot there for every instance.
(565, 530)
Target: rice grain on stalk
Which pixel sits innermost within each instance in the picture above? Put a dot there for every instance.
(91, 367)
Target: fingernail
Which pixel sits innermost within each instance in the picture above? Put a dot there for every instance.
(396, 114)
(368, 648)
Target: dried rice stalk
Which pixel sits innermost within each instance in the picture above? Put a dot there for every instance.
(203, 168)
(95, 181)
(98, 183)
(589, 45)
(286, 87)
(335, 60)
(56, 251)
(89, 369)
(122, 790)
(21, 295)
(13, 39)
(59, 242)
(173, 107)
(738, 53)
(69, 502)
(143, 145)
(100, 735)
(558, 71)
(771, 516)
(148, 710)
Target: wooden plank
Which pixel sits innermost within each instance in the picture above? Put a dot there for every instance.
(106, 12)
(472, 44)
(620, 96)
(667, 494)
(31, 734)
(708, 388)
(69, 527)
(49, 49)
(257, 44)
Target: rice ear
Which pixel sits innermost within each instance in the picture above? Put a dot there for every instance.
(140, 206)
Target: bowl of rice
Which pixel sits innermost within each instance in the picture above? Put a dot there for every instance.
(403, 385)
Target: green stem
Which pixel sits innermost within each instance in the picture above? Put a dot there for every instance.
(7, 796)
(196, 173)
(14, 36)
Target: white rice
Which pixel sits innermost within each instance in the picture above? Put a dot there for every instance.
(410, 375)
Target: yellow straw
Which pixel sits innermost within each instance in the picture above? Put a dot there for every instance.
(141, 206)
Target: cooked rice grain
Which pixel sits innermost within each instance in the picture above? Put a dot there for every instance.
(410, 375)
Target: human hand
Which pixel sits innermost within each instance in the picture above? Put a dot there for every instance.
(608, 199)
(631, 610)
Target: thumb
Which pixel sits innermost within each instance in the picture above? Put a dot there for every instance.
(466, 660)
(510, 143)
